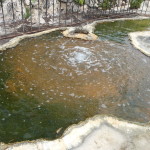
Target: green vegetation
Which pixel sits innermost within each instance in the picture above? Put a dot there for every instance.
(134, 4)
(106, 4)
(2, 0)
(27, 14)
(33, 1)
(118, 31)
(80, 2)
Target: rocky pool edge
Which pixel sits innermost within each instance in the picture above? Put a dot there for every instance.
(90, 27)
(138, 43)
(75, 135)
(111, 131)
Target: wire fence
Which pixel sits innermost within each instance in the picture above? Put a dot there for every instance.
(18, 17)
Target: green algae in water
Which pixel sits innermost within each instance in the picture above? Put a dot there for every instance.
(118, 31)
(50, 82)
(26, 115)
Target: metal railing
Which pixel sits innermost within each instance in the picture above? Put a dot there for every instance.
(18, 17)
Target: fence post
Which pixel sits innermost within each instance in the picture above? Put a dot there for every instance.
(59, 11)
(12, 5)
(3, 17)
(31, 13)
(53, 10)
(22, 14)
(147, 7)
(142, 7)
(46, 10)
(39, 14)
(71, 13)
(66, 13)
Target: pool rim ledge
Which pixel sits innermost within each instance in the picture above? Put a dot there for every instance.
(15, 41)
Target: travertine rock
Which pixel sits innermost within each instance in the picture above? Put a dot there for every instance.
(97, 133)
(84, 33)
(141, 41)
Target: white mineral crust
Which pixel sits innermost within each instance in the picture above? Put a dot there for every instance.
(141, 41)
(97, 133)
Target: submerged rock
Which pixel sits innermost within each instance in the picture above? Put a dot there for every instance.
(97, 133)
(141, 41)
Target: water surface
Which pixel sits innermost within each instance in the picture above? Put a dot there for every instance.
(50, 82)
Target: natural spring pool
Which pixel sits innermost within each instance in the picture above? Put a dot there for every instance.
(50, 82)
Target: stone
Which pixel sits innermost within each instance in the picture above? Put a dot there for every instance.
(97, 133)
(93, 3)
(7, 31)
(145, 7)
(141, 41)
(8, 12)
(36, 18)
(80, 33)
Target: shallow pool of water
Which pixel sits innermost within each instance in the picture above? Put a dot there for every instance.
(50, 82)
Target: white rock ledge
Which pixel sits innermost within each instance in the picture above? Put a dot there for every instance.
(88, 35)
(141, 41)
(97, 133)
(15, 41)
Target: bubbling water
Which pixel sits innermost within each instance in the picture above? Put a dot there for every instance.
(50, 82)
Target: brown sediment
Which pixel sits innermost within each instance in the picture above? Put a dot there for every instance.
(11, 86)
(101, 90)
(26, 72)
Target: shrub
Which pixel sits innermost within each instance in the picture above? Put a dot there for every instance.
(135, 4)
(27, 14)
(80, 2)
(107, 4)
